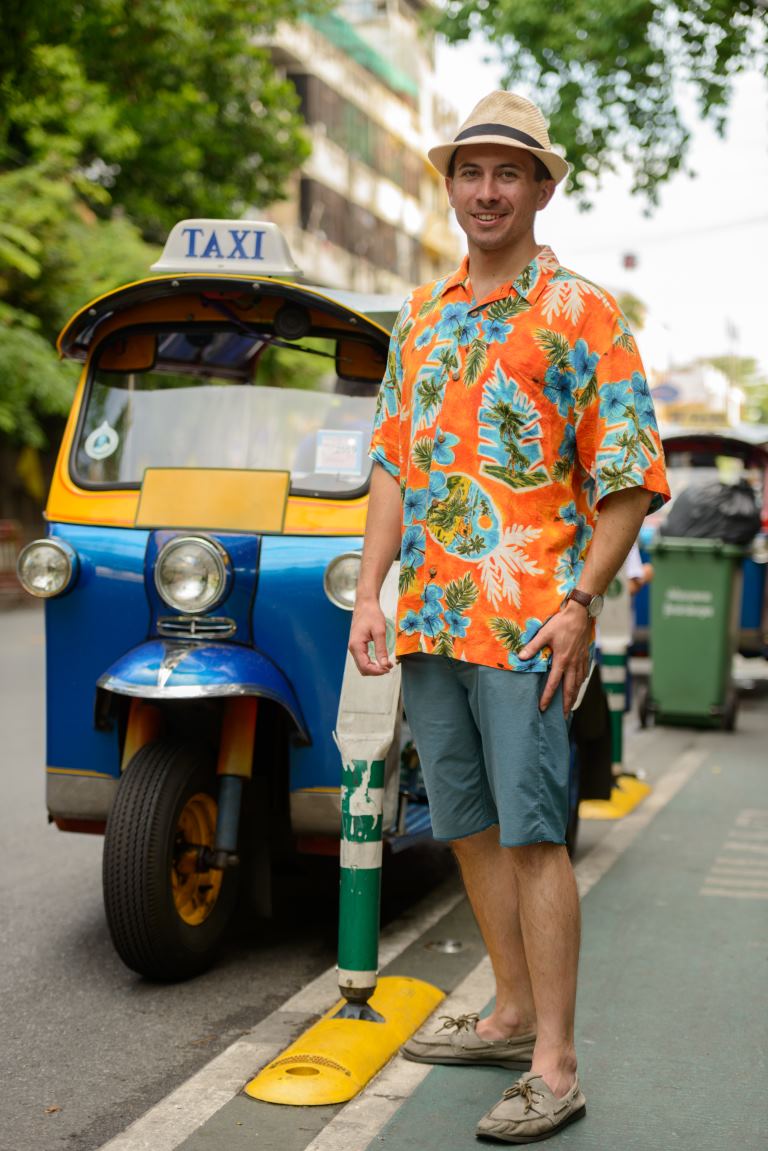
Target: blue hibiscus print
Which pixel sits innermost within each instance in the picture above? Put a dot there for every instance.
(532, 627)
(453, 317)
(467, 330)
(428, 621)
(438, 486)
(457, 623)
(614, 401)
(583, 363)
(441, 451)
(568, 568)
(558, 388)
(567, 448)
(495, 331)
(410, 623)
(568, 514)
(425, 337)
(414, 504)
(641, 394)
(412, 546)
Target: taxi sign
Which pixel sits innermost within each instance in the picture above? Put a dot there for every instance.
(244, 247)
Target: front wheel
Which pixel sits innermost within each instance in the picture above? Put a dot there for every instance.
(166, 916)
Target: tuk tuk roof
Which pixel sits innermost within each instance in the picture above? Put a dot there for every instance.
(79, 333)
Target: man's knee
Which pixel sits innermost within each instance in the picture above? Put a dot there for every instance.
(536, 857)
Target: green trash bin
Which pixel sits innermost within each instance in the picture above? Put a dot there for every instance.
(695, 598)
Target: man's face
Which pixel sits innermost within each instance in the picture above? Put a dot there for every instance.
(495, 196)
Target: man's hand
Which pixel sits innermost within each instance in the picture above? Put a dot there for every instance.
(369, 626)
(567, 633)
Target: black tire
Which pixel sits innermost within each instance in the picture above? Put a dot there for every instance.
(731, 711)
(643, 706)
(144, 887)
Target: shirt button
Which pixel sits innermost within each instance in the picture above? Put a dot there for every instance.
(441, 438)
(456, 375)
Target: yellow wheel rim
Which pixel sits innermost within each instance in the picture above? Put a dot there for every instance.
(195, 892)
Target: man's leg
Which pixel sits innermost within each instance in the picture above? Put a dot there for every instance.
(527, 908)
(550, 922)
(490, 877)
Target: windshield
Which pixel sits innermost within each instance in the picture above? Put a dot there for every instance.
(226, 400)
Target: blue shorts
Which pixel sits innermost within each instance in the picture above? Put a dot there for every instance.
(488, 754)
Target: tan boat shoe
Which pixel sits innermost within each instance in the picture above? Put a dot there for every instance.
(528, 1112)
(457, 1041)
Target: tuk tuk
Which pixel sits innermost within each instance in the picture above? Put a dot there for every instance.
(694, 456)
(205, 524)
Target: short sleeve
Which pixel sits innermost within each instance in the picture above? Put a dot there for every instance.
(617, 437)
(385, 439)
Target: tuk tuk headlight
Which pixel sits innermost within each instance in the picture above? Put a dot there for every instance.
(47, 568)
(192, 574)
(340, 579)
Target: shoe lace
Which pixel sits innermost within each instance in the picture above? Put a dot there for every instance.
(460, 1023)
(523, 1088)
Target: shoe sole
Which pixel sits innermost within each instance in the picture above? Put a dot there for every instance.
(579, 1114)
(452, 1061)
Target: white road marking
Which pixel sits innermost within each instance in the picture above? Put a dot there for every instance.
(180, 1114)
(734, 894)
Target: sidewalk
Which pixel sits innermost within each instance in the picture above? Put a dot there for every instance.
(671, 1027)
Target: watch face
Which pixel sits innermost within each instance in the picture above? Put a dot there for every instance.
(595, 606)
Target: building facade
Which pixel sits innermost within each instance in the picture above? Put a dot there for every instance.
(367, 211)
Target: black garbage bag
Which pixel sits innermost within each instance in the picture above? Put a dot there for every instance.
(712, 510)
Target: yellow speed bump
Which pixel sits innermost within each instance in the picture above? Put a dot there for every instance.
(627, 793)
(335, 1058)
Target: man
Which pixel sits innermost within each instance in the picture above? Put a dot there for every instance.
(514, 407)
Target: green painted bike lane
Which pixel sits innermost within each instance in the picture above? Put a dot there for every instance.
(672, 1016)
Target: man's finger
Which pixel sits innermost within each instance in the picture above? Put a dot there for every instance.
(534, 645)
(551, 686)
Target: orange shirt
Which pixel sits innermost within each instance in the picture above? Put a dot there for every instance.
(506, 422)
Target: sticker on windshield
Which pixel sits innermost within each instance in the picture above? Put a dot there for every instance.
(339, 453)
(102, 442)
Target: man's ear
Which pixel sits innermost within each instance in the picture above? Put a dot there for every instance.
(546, 192)
(449, 189)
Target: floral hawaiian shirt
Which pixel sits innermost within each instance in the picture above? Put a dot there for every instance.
(506, 422)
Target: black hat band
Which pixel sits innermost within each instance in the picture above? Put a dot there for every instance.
(499, 130)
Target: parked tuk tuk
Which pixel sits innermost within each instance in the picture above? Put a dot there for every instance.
(694, 456)
(205, 524)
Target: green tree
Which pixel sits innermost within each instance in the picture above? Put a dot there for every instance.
(745, 373)
(117, 119)
(608, 74)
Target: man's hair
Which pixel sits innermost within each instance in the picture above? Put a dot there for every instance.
(540, 169)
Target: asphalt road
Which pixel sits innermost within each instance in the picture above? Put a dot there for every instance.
(86, 1046)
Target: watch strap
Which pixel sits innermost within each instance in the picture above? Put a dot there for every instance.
(582, 597)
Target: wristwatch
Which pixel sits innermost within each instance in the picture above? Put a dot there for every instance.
(593, 603)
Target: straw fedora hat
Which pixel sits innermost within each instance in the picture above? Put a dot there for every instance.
(504, 118)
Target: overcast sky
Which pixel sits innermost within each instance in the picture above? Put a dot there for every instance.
(703, 254)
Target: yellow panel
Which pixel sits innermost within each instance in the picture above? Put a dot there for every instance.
(219, 499)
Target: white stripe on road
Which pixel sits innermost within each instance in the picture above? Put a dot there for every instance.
(181, 1113)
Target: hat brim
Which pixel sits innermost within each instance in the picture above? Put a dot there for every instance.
(440, 157)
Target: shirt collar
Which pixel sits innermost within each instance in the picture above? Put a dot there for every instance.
(529, 284)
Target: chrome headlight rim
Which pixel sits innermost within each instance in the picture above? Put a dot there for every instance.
(72, 565)
(328, 586)
(222, 560)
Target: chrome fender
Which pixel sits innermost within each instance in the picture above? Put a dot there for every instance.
(164, 670)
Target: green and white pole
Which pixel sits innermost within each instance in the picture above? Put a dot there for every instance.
(613, 672)
(615, 636)
(369, 711)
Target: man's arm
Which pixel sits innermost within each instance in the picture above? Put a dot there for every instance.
(383, 534)
(567, 633)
